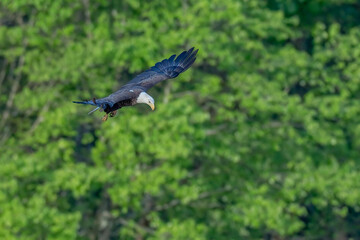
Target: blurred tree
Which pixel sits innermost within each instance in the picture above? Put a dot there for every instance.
(259, 140)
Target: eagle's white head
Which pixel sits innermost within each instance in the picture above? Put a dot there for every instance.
(147, 99)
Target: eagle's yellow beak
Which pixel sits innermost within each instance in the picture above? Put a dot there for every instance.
(152, 106)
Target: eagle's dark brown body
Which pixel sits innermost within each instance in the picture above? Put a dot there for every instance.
(120, 104)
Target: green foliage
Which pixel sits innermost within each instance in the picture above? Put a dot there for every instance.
(259, 139)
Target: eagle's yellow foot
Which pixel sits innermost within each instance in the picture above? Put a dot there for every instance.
(113, 113)
(105, 117)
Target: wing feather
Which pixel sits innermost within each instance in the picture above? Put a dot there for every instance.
(166, 69)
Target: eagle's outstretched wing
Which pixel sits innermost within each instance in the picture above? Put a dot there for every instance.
(168, 68)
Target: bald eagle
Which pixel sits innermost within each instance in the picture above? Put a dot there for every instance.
(135, 91)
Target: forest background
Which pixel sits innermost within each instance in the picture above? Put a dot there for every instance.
(260, 139)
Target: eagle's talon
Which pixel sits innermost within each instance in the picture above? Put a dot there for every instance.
(113, 113)
(105, 117)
